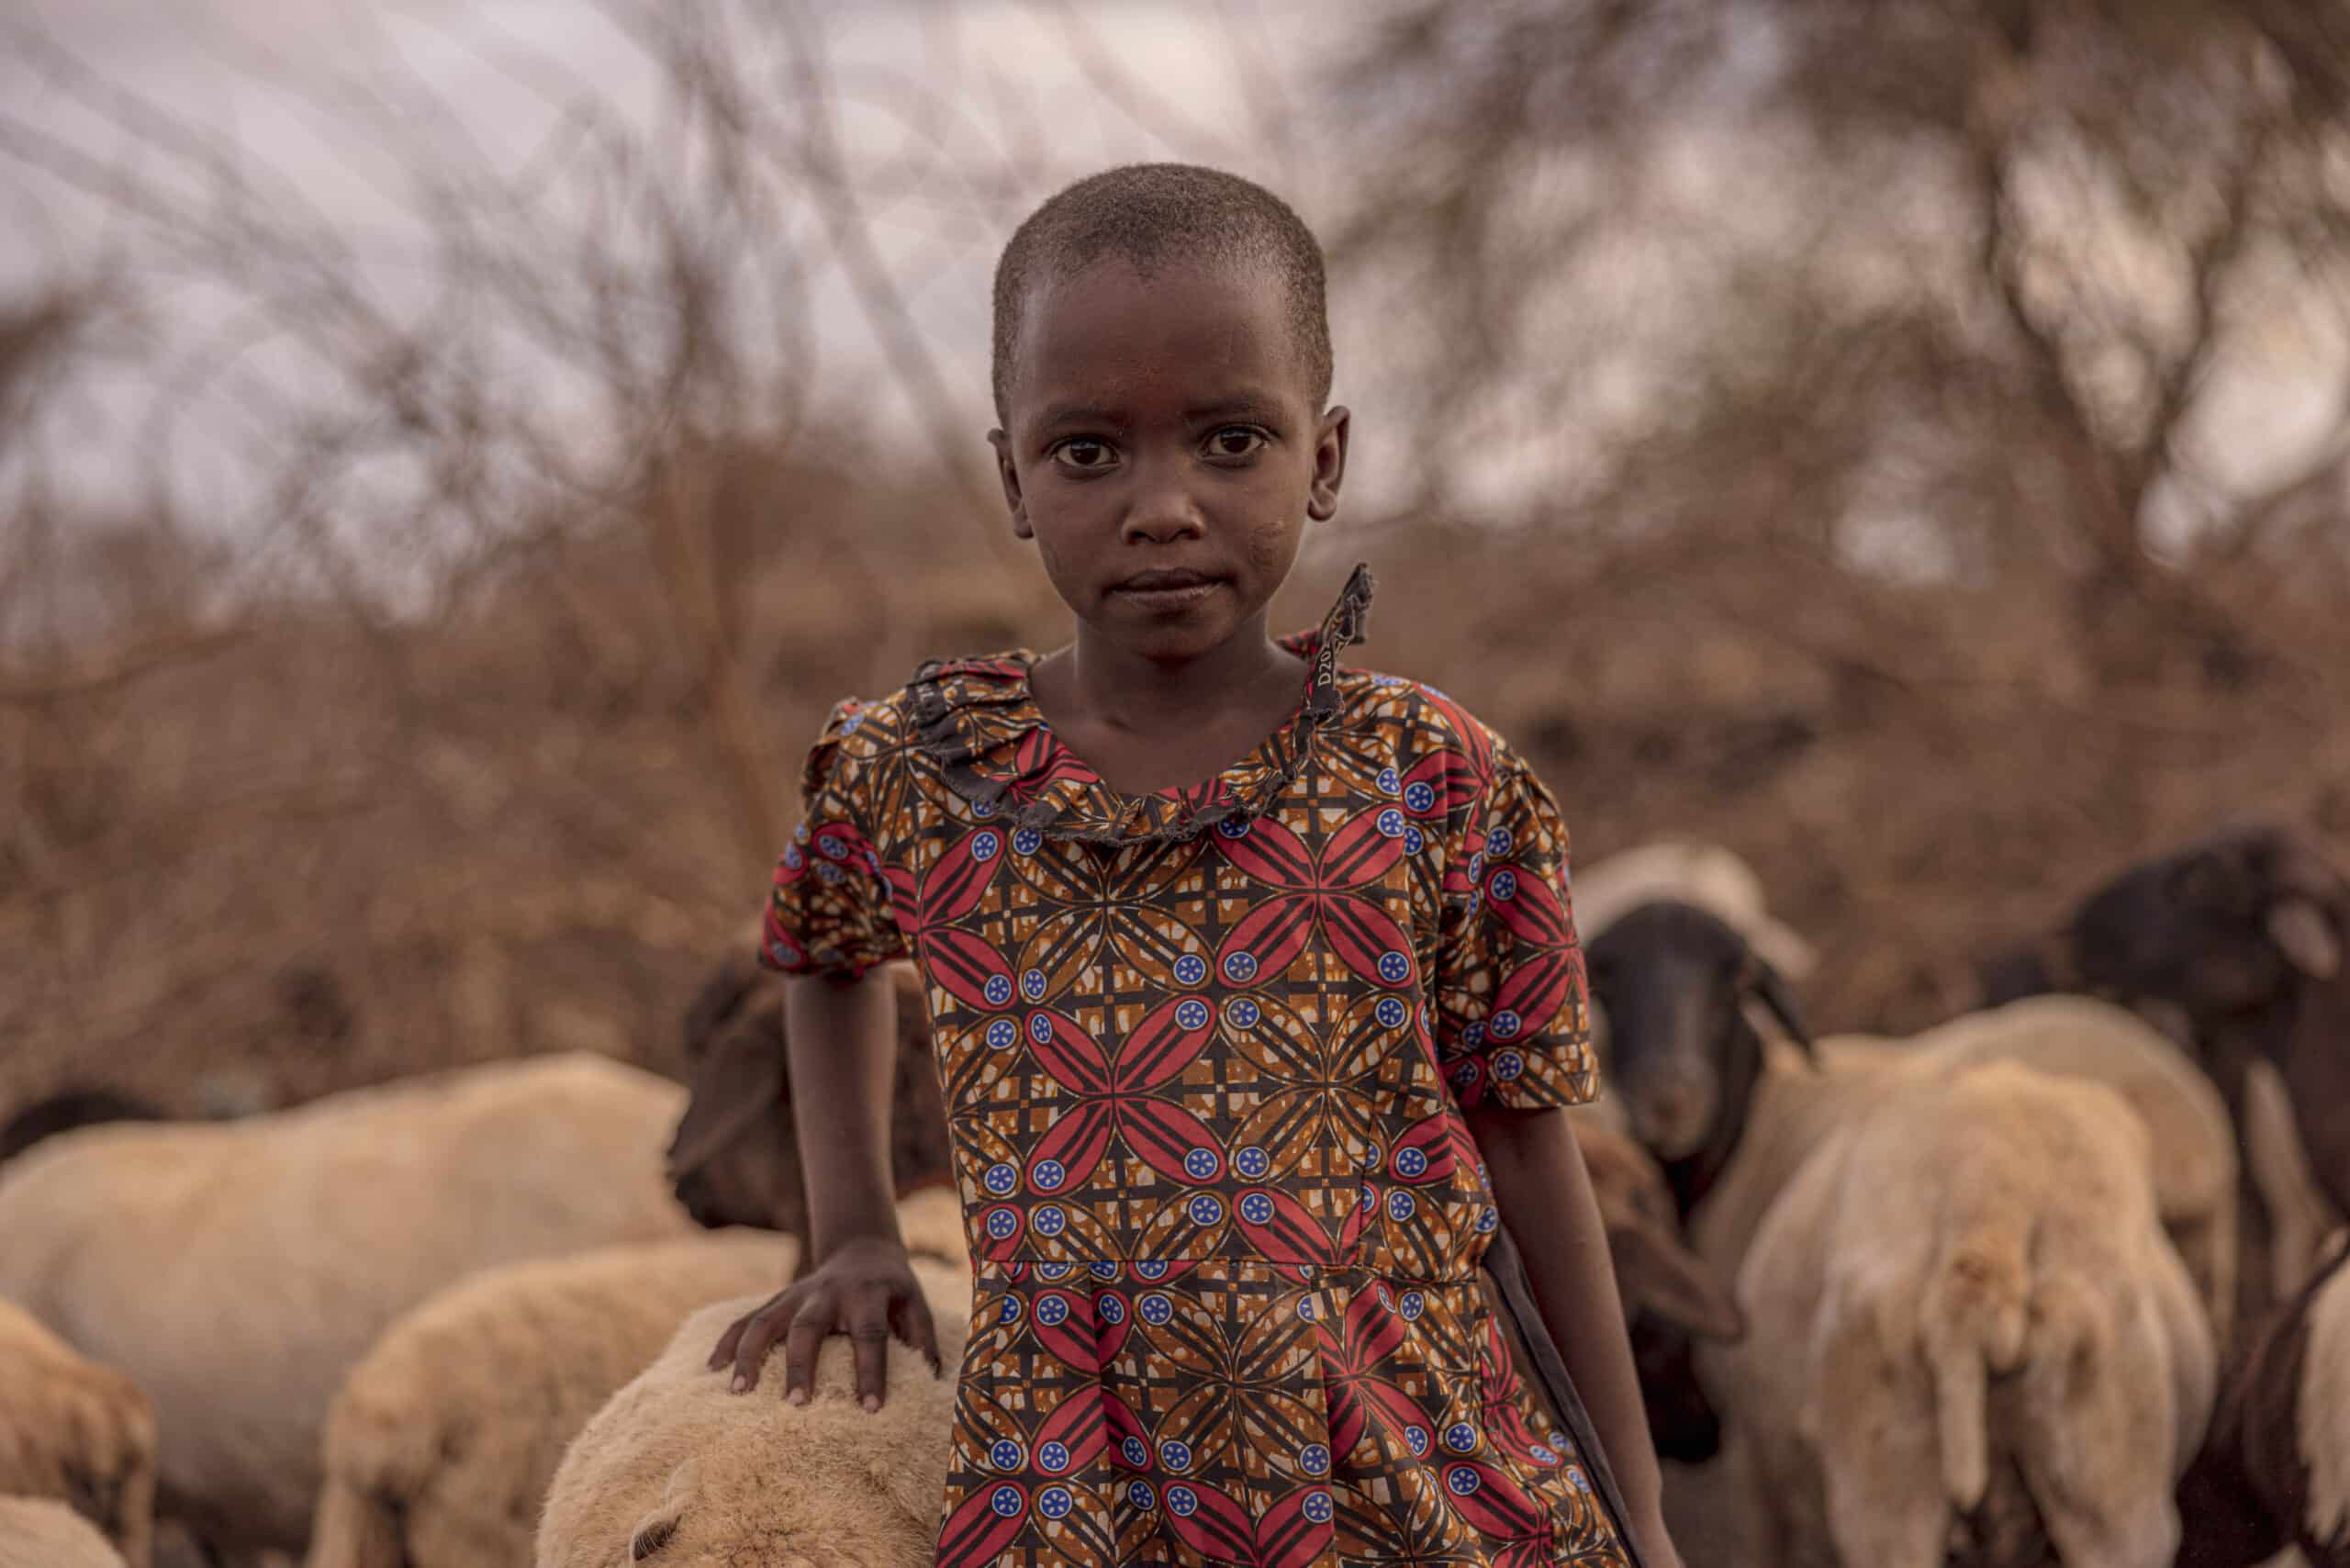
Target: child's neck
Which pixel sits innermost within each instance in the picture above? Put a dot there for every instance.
(1147, 724)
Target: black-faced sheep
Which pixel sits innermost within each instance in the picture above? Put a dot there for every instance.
(1968, 1328)
(39, 1533)
(238, 1271)
(77, 1432)
(2276, 1471)
(1706, 875)
(678, 1472)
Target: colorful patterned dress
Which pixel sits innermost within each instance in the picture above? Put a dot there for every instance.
(1204, 1054)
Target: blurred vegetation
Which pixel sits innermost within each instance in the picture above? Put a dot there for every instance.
(1902, 440)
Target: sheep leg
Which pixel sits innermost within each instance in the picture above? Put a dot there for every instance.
(1879, 1456)
(2098, 1403)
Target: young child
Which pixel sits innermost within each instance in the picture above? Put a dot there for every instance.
(1253, 982)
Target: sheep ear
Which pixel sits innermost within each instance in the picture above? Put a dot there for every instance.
(2298, 927)
(1766, 983)
(1665, 1278)
(648, 1539)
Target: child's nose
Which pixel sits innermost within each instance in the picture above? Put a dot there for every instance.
(1162, 513)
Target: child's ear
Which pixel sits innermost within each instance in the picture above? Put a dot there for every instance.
(1330, 465)
(1010, 476)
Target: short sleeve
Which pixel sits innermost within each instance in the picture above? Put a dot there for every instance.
(1512, 1003)
(830, 911)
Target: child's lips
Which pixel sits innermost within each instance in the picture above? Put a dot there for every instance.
(1166, 594)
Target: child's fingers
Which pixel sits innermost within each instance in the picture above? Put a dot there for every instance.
(800, 1343)
(755, 1337)
(909, 1317)
(724, 1351)
(868, 1333)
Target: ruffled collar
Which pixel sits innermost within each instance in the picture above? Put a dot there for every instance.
(978, 721)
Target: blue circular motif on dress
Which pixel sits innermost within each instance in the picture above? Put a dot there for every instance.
(1052, 1458)
(1040, 1027)
(1392, 1012)
(1460, 1437)
(1192, 1014)
(1420, 796)
(829, 874)
(1175, 1455)
(984, 846)
(997, 990)
(1050, 1221)
(793, 858)
(1413, 1304)
(1182, 1502)
(1140, 1495)
(1389, 781)
(1504, 1024)
(1252, 1162)
(1048, 1175)
(1191, 970)
(1544, 1453)
(1054, 1270)
(832, 847)
(1102, 1270)
(1004, 1454)
(1052, 1310)
(1498, 842)
(1002, 1224)
(1006, 1501)
(1472, 1036)
(1109, 1308)
(1413, 841)
(1257, 1209)
(1399, 1206)
(1000, 1179)
(1031, 985)
(1386, 1297)
(1577, 1479)
(1150, 1269)
(1488, 1221)
(1137, 1451)
(1054, 1502)
(1313, 1458)
(1503, 885)
(1010, 1311)
(1317, 1509)
(1508, 1065)
(1367, 1196)
(1417, 1439)
(1394, 967)
(1205, 1210)
(1002, 1034)
(1240, 968)
(1233, 827)
(1371, 1157)
(1306, 1311)
(1028, 841)
(1156, 1310)
(1462, 1480)
(1244, 1014)
(1391, 822)
(1411, 1162)
(1199, 1164)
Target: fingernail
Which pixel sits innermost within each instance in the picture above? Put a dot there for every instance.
(742, 1384)
(799, 1397)
(872, 1403)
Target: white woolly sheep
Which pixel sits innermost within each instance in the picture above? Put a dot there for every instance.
(441, 1446)
(1967, 1326)
(678, 1472)
(1706, 874)
(76, 1432)
(40, 1532)
(238, 1271)
(2276, 1469)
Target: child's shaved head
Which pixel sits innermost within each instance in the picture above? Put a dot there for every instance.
(1152, 215)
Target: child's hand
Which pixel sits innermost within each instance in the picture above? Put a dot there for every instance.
(866, 1290)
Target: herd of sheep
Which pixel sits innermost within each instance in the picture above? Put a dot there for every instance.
(2061, 1281)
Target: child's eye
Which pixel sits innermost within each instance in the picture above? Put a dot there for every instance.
(1235, 441)
(1083, 452)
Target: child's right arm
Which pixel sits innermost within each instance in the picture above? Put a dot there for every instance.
(841, 1036)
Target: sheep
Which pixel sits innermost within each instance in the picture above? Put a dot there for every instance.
(678, 1473)
(237, 1271)
(1706, 875)
(82, 1106)
(2275, 1470)
(1967, 1328)
(76, 1431)
(2237, 941)
(40, 1532)
(441, 1444)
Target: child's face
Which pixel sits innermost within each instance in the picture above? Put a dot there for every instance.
(1164, 448)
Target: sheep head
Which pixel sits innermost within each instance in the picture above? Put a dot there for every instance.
(1675, 983)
